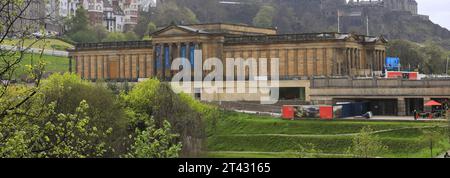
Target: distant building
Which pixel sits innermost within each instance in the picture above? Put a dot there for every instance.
(113, 16)
(36, 10)
(95, 11)
(402, 5)
(57, 11)
(300, 55)
(145, 5)
(131, 10)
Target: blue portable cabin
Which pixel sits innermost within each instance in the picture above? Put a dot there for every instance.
(393, 63)
(352, 109)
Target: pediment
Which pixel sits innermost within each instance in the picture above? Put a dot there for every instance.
(173, 31)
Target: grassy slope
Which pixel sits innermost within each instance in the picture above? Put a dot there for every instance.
(242, 133)
(44, 43)
(53, 64)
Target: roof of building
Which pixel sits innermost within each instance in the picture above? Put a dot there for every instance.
(255, 39)
(219, 28)
(113, 45)
(117, 10)
(106, 4)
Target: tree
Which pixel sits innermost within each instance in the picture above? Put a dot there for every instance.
(36, 135)
(115, 36)
(428, 58)
(155, 143)
(151, 27)
(169, 12)
(141, 27)
(131, 36)
(408, 52)
(14, 22)
(84, 36)
(366, 145)
(105, 111)
(81, 31)
(264, 17)
(80, 22)
(434, 58)
(100, 32)
(448, 126)
(157, 101)
(432, 138)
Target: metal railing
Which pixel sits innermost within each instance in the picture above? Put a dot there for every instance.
(114, 45)
(289, 37)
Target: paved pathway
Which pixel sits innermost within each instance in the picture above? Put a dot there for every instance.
(375, 118)
(394, 118)
(276, 153)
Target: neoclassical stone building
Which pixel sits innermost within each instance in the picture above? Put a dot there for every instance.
(300, 55)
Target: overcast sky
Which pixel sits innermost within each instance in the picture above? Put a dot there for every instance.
(438, 10)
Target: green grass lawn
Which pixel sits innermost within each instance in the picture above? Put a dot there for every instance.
(49, 44)
(244, 135)
(53, 64)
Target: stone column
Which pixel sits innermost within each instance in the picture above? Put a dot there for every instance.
(108, 72)
(356, 61)
(129, 58)
(325, 61)
(89, 68)
(401, 106)
(305, 62)
(81, 58)
(138, 66)
(103, 67)
(70, 64)
(96, 67)
(375, 59)
(119, 61)
(347, 61)
(380, 57)
(154, 60)
(145, 65)
(314, 62)
(358, 52)
(163, 58)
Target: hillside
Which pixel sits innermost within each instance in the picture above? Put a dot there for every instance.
(290, 16)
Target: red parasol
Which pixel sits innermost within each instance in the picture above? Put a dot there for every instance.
(433, 103)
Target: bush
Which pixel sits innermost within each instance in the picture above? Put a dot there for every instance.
(115, 36)
(131, 36)
(84, 36)
(157, 100)
(105, 111)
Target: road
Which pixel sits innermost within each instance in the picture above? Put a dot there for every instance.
(38, 50)
(375, 118)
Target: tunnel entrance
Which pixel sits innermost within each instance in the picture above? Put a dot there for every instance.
(292, 93)
(412, 104)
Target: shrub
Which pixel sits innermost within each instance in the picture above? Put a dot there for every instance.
(158, 101)
(68, 90)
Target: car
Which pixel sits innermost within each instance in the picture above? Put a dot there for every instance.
(38, 34)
